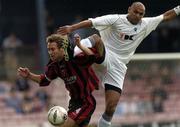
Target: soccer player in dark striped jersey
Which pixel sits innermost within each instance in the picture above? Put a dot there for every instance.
(74, 67)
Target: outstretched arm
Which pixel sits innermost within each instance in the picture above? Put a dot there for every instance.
(70, 28)
(171, 14)
(25, 73)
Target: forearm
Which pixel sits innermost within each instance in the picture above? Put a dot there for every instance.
(83, 24)
(34, 77)
(171, 14)
(86, 50)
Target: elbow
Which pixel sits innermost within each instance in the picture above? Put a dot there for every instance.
(89, 23)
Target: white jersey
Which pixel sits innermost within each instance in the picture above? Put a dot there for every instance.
(120, 36)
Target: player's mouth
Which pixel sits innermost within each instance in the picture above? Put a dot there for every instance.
(52, 57)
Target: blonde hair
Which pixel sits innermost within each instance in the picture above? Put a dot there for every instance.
(62, 42)
(57, 38)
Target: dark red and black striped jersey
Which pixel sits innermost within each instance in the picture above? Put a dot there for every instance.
(79, 78)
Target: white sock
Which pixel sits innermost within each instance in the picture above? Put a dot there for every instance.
(103, 123)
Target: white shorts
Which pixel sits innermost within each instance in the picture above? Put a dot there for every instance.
(116, 70)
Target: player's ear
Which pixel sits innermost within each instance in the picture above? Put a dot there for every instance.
(144, 14)
(129, 9)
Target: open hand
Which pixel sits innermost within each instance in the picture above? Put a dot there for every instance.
(23, 72)
(64, 30)
(77, 40)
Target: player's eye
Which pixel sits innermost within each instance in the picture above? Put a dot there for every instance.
(51, 49)
(141, 14)
(138, 13)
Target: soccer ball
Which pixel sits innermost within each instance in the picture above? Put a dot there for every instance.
(57, 115)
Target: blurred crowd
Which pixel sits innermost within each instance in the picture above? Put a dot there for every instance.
(149, 88)
(22, 98)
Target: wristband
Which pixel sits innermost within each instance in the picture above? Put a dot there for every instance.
(177, 10)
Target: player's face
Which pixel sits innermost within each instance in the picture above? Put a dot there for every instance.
(55, 53)
(135, 14)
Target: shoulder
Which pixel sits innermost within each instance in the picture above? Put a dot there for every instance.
(122, 17)
(51, 65)
(113, 16)
(109, 16)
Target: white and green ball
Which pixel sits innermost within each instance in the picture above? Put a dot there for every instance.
(57, 115)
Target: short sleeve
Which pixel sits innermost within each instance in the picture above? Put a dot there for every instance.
(103, 22)
(50, 73)
(152, 23)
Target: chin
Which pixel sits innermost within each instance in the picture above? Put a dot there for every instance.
(53, 59)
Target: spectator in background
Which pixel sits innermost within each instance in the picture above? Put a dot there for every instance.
(10, 46)
(155, 71)
(135, 74)
(145, 105)
(27, 103)
(14, 101)
(38, 106)
(22, 84)
(130, 106)
(43, 96)
(158, 94)
(166, 75)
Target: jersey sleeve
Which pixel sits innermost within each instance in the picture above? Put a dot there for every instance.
(152, 23)
(104, 22)
(49, 74)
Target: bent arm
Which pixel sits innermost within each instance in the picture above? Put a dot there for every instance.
(85, 49)
(94, 42)
(26, 73)
(34, 77)
(171, 14)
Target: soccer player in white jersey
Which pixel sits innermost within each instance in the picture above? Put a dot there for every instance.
(121, 34)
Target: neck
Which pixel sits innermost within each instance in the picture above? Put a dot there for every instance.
(130, 20)
(61, 59)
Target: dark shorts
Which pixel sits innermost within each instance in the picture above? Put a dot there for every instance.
(82, 110)
(100, 59)
(111, 87)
